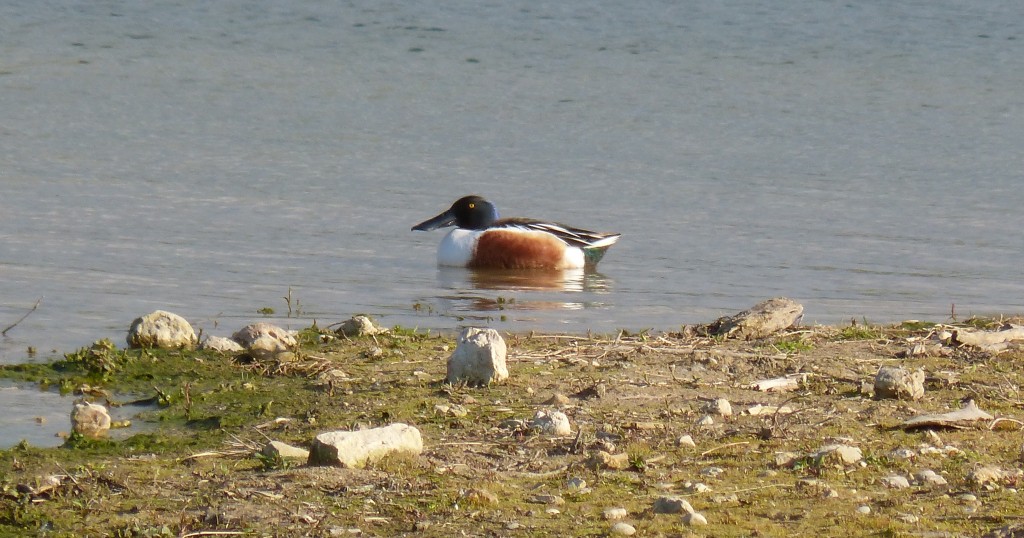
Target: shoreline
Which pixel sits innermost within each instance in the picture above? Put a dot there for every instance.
(643, 399)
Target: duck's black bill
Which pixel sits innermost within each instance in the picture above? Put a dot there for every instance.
(441, 221)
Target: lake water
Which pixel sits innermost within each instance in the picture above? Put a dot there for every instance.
(864, 159)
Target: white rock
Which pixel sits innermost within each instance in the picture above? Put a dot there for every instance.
(671, 504)
(357, 448)
(616, 513)
(359, 326)
(694, 519)
(929, 477)
(551, 423)
(720, 407)
(89, 419)
(706, 420)
(696, 487)
(163, 330)
(903, 454)
(686, 441)
(221, 344)
(285, 451)
(838, 454)
(895, 482)
(864, 509)
(622, 529)
(479, 358)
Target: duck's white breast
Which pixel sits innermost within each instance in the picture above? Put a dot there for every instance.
(456, 249)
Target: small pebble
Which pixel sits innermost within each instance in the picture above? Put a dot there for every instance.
(864, 509)
(623, 529)
(576, 483)
(686, 441)
(711, 472)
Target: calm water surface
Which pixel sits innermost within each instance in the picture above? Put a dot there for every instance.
(864, 159)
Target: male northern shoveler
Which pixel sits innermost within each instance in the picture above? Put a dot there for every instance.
(482, 240)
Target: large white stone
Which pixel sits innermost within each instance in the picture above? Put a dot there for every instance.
(479, 358)
(89, 419)
(357, 448)
(163, 330)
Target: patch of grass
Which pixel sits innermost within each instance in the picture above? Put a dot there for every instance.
(859, 332)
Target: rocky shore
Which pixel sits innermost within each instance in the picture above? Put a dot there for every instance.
(751, 425)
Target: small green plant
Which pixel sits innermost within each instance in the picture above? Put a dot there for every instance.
(793, 346)
(102, 358)
(266, 311)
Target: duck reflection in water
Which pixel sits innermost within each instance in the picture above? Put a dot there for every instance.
(534, 283)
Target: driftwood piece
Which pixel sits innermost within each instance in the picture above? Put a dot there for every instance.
(960, 418)
(987, 339)
(761, 320)
(778, 384)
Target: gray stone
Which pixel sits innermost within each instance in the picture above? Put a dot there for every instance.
(622, 529)
(264, 341)
(760, 321)
(357, 448)
(672, 505)
(161, 329)
(247, 335)
(89, 419)
(896, 382)
(359, 326)
(479, 358)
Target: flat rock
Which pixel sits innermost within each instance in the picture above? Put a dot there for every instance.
(354, 449)
(221, 344)
(161, 329)
(90, 419)
(838, 454)
(615, 513)
(622, 529)
(479, 358)
(603, 460)
(960, 418)
(284, 451)
(762, 320)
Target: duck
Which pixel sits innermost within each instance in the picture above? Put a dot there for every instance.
(483, 240)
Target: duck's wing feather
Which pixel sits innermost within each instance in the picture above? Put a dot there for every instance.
(576, 237)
